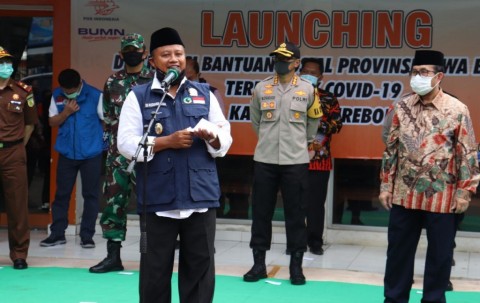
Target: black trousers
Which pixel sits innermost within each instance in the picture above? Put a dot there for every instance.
(292, 180)
(317, 194)
(196, 266)
(404, 230)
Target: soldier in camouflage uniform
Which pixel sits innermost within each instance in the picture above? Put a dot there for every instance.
(117, 182)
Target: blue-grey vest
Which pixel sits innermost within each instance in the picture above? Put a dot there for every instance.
(177, 178)
(80, 137)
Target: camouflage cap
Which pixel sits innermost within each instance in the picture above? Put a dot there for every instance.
(4, 53)
(135, 40)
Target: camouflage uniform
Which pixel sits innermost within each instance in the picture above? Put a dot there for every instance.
(116, 187)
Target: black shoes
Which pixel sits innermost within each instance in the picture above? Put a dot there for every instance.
(107, 265)
(87, 243)
(20, 264)
(53, 240)
(296, 272)
(112, 262)
(257, 272)
(316, 251)
(356, 221)
(449, 286)
(259, 269)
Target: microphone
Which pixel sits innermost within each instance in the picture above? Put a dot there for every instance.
(171, 75)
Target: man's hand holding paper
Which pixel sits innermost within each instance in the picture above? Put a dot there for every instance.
(207, 131)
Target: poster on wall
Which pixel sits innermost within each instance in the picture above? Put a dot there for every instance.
(366, 47)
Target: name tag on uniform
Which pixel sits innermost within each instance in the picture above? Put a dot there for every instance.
(15, 106)
(154, 104)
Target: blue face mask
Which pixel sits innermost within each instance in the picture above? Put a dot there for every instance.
(6, 70)
(310, 78)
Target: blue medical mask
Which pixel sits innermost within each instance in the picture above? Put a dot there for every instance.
(310, 78)
(6, 70)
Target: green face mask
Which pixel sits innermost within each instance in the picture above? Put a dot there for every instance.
(6, 70)
(72, 95)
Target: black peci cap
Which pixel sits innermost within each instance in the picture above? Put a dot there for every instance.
(164, 36)
(428, 57)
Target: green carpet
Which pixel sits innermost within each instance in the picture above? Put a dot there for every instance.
(75, 285)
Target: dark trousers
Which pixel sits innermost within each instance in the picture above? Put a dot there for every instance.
(293, 182)
(317, 194)
(67, 171)
(39, 158)
(404, 230)
(196, 265)
(13, 173)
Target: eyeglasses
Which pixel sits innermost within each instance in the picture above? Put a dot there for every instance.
(422, 72)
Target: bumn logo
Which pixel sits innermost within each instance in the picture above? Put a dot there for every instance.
(103, 7)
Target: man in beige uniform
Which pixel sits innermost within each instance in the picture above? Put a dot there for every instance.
(17, 118)
(285, 118)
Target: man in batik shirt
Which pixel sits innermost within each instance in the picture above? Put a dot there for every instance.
(429, 173)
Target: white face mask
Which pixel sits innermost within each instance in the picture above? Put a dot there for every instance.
(422, 85)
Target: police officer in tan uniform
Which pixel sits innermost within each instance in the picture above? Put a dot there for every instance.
(18, 116)
(285, 117)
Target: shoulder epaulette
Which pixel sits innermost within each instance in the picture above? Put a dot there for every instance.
(24, 86)
(268, 78)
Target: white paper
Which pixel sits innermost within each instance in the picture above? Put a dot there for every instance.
(273, 282)
(125, 273)
(207, 125)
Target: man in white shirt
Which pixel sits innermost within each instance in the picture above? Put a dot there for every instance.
(178, 189)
